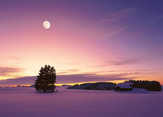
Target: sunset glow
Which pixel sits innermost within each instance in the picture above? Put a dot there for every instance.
(102, 38)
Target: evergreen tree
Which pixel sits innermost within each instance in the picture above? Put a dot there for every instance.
(46, 79)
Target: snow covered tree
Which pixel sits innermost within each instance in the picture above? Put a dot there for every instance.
(46, 79)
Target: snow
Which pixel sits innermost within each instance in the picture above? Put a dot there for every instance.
(124, 85)
(26, 102)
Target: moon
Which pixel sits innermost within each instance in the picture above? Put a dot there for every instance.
(46, 24)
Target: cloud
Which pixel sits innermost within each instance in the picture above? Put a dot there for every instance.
(118, 15)
(69, 71)
(116, 21)
(10, 60)
(71, 78)
(129, 61)
(120, 62)
(5, 71)
(117, 30)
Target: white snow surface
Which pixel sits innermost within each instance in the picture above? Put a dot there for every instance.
(26, 102)
(124, 85)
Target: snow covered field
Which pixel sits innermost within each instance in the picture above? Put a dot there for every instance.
(25, 102)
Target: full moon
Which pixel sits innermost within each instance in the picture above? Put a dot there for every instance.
(46, 24)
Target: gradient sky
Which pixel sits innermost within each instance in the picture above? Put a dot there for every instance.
(97, 37)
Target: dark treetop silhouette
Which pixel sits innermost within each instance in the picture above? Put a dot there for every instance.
(46, 79)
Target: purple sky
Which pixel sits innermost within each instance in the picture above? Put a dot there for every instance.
(99, 37)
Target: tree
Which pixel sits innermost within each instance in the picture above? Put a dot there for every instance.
(46, 79)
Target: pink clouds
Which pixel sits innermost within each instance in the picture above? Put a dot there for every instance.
(8, 71)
